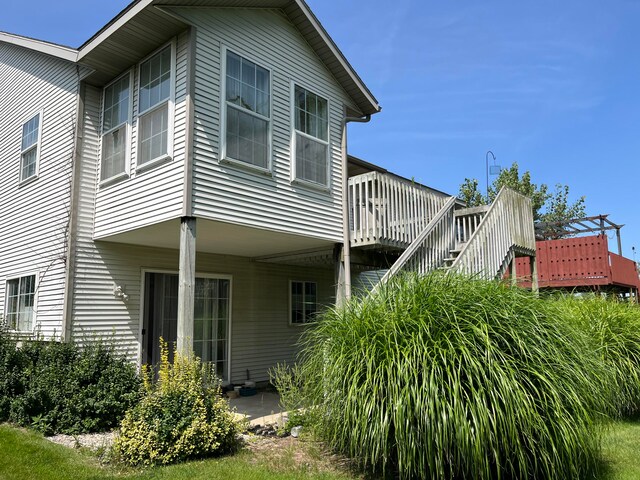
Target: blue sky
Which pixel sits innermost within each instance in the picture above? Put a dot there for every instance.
(554, 86)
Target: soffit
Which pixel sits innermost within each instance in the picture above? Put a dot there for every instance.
(141, 28)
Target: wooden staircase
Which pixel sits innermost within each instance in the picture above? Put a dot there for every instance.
(482, 241)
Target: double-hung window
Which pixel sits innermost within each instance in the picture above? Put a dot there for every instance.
(30, 150)
(20, 295)
(115, 126)
(248, 112)
(311, 137)
(154, 95)
(304, 302)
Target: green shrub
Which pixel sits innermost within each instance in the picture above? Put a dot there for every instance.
(448, 377)
(58, 387)
(614, 330)
(182, 416)
(12, 367)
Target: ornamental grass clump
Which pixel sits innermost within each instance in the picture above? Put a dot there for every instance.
(613, 327)
(443, 376)
(182, 416)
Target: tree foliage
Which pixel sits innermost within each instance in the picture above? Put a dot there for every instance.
(547, 206)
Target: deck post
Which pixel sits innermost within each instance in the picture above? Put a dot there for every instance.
(513, 273)
(338, 259)
(186, 284)
(534, 274)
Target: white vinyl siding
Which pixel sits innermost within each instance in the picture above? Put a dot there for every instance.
(227, 193)
(35, 214)
(260, 333)
(310, 137)
(248, 112)
(153, 192)
(20, 303)
(154, 94)
(116, 117)
(30, 148)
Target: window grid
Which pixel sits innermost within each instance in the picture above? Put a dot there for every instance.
(20, 303)
(29, 147)
(248, 116)
(311, 122)
(304, 302)
(154, 94)
(115, 118)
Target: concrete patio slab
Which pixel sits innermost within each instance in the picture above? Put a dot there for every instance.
(262, 408)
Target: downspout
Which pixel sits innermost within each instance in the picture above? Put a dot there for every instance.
(74, 193)
(346, 231)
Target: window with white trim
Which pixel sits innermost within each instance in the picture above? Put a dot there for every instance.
(304, 302)
(30, 149)
(20, 302)
(311, 137)
(115, 127)
(248, 111)
(154, 94)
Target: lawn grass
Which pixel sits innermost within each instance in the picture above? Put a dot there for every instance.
(28, 455)
(620, 448)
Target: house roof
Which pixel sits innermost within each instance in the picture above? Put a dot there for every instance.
(144, 24)
(53, 49)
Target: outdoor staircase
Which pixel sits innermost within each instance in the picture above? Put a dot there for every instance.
(433, 231)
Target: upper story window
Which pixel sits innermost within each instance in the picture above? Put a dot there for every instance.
(248, 111)
(311, 137)
(115, 125)
(19, 311)
(304, 302)
(30, 150)
(154, 95)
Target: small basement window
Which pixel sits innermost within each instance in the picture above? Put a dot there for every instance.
(20, 303)
(304, 302)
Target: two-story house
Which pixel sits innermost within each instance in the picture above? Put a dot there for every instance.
(183, 174)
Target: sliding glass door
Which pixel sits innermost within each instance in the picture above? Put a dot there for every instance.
(211, 327)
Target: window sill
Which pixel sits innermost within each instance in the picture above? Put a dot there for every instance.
(27, 181)
(153, 163)
(247, 166)
(311, 185)
(115, 179)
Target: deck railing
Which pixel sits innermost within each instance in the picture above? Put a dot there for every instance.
(389, 211)
(467, 221)
(507, 225)
(431, 246)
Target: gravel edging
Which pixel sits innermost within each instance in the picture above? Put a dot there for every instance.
(92, 441)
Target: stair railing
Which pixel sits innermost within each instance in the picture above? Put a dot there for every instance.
(431, 246)
(507, 225)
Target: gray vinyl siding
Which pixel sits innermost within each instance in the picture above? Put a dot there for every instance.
(232, 194)
(153, 194)
(261, 335)
(34, 216)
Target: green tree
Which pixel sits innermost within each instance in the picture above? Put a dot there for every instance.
(547, 207)
(470, 193)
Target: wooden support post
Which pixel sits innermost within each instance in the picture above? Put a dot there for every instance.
(619, 242)
(513, 273)
(186, 284)
(339, 273)
(534, 274)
